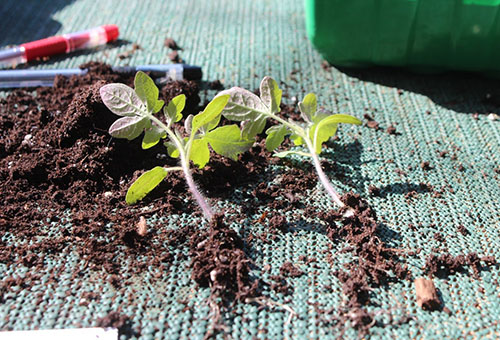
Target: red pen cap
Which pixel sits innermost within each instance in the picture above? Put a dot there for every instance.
(112, 32)
(70, 42)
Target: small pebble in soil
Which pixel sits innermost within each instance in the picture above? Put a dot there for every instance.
(493, 117)
(142, 228)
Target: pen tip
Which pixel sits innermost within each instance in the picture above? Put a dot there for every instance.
(112, 32)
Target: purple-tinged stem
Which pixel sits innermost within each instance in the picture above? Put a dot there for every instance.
(322, 177)
(202, 202)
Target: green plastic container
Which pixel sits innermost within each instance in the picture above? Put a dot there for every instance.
(421, 34)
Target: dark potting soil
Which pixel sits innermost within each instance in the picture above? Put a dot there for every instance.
(59, 164)
(443, 265)
(219, 262)
(120, 321)
(216, 85)
(374, 264)
(290, 270)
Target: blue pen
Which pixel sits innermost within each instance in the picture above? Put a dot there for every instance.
(33, 78)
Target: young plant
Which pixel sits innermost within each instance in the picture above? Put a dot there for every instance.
(252, 111)
(138, 108)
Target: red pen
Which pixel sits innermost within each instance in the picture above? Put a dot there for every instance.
(58, 45)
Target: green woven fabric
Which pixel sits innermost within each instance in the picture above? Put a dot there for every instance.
(239, 42)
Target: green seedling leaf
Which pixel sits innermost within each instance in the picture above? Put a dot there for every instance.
(320, 115)
(129, 127)
(251, 128)
(227, 141)
(275, 136)
(173, 111)
(308, 107)
(296, 139)
(122, 100)
(319, 136)
(200, 154)
(144, 184)
(242, 105)
(327, 127)
(172, 149)
(211, 125)
(211, 112)
(152, 136)
(270, 94)
(146, 89)
(158, 106)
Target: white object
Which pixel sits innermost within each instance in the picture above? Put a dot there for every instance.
(62, 334)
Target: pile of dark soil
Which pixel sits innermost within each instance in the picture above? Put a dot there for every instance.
(373, 265)
(57, 160)
(218, 261)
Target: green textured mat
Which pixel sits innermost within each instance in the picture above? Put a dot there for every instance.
(240, 42)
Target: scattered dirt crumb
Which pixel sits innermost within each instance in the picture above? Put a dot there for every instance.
(216, 85)
(325, 65)
(392, 130)
(461, 228)
(172, 44)
(371, 123)
(288, 269)
(443, 153)
(373, 190)
(174, 57)
(425, 166)
(400, 172)
(445, 264)
(411, 194)
(280, 285)
(129, 53)
(439, 237)
(117, 320)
